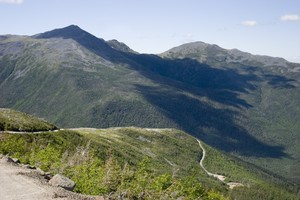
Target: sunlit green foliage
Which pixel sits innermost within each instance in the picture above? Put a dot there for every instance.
(11, 120)
(76, 156)
(114, 163)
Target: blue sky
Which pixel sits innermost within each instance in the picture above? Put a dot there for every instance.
(267, 27)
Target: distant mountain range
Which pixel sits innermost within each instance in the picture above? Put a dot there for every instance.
(243, 104)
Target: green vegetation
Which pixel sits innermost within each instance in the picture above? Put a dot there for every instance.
(265, 185)
(239, 103)
(94, 161)
(11, 120)
(137, 163)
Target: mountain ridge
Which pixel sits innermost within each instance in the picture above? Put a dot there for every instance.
(222, 54)
(89, 41)
(82, 81)
(68, 32)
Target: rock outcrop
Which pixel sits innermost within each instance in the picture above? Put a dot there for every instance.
(61, 181)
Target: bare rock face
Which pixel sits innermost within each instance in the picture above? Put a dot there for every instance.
(61, 181)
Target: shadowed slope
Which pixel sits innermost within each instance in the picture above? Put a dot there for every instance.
(76, 79)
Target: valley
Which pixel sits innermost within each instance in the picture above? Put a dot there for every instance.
(162, 163)
(244, 108)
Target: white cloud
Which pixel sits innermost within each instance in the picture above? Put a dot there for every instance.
(249, 23)
(12, 1)
(290, 18)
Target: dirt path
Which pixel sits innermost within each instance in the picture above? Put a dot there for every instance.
(218, 176)
(16, 186)
(19, 183)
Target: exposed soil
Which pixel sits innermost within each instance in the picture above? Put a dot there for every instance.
(18, 182)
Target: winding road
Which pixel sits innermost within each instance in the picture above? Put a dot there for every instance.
(219, 177)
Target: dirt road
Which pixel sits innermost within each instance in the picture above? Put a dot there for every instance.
(218, 176)
(15, 184)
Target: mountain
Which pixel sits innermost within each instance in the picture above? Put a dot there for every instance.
(82, 37)
(272, 101)
(214, 55)
(129, 162)
(239, 103)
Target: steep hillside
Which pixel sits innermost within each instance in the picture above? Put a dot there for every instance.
(242, 104)
(73, 85)
(130, 162)
(271, 111)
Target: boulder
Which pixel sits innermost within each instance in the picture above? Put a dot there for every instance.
(61, 181)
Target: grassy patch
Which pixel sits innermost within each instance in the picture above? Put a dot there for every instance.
(11, 120)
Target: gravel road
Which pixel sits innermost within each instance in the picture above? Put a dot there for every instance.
(20, 183)
(13, 185)
(218, 176)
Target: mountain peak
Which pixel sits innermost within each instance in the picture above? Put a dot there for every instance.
(193, 48)
(87, 40)
(73, 26)
(72, 31)
(213, 54)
